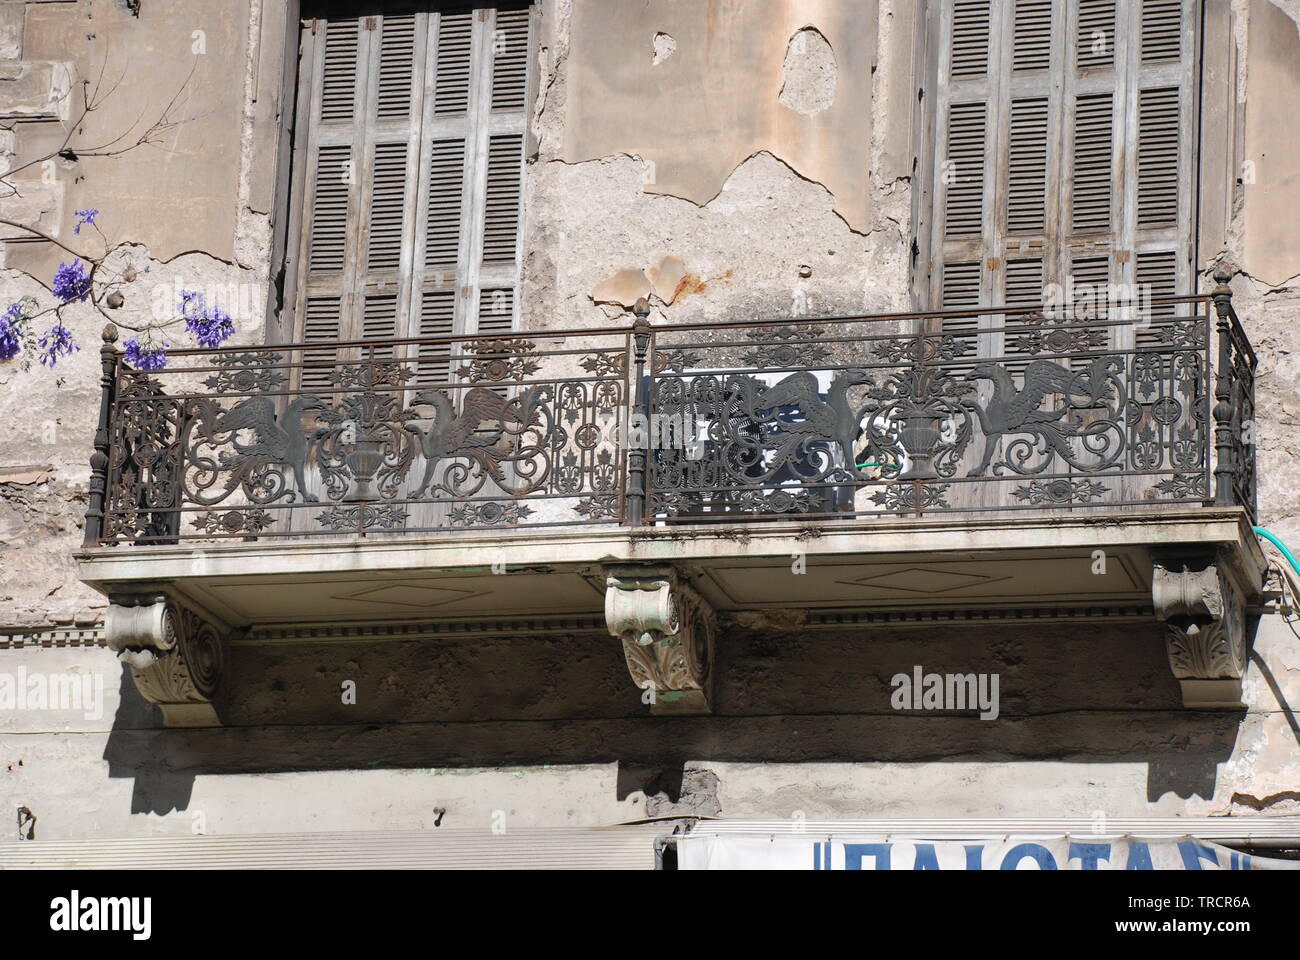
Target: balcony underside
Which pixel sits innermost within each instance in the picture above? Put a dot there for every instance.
(1035, 562)
(664, 591)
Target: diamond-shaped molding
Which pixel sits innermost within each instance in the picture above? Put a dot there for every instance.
(921, 580)
(411, 595)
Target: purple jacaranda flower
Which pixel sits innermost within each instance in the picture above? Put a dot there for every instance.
(85, 217)
(193, 304)
(212, 329)
(58, 342)
(10, 342)
(211, 326)
(144, 357)
(71, 282)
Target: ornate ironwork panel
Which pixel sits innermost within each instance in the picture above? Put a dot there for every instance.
(803, 420)
(525, 430)
(839, 417)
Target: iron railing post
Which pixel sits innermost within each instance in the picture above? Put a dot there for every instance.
(99, 460)
(1225, 465)
(638, 439)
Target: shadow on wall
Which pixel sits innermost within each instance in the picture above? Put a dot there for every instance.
(1099, 693)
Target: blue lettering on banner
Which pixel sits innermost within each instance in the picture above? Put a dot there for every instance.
(1079, 854)
(1089, 854)
(854, 852)
(926, 858)
(1139, 856)
(1193, 853)
(1029, 851)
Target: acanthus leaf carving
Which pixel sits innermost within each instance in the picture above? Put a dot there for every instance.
(176, 655)
(667, 630)
(1206, 640)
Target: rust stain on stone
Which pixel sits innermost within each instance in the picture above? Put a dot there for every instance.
(693, 284)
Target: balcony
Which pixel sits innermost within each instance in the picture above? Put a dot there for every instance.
(1025, 463)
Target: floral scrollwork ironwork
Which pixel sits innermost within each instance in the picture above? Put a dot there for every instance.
(1060, 491)
(489, 514)
(366, 516)
(233, 521)
(496, 361)
(246, 373)
(910, 497)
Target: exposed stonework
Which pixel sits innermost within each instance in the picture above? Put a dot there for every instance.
(664, 47)
(810, 73)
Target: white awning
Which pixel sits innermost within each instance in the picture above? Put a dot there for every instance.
(630, 847)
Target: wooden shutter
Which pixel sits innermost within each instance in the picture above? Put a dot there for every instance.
(1065, 132)
(480, 77)
(410, 199)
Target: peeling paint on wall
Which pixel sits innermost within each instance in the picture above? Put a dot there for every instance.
(719, 100)
(810, 73)
(664, 47)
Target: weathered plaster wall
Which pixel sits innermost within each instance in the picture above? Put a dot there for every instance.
(174, 196)
(551, 731)
(1264, 244)
(1270, 238)
(691, 182)
(176, 209)
(791, 78)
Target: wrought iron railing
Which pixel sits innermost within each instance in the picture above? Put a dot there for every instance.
(811, 419)
(399, 436)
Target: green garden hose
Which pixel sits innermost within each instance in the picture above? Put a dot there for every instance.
(1273, 539)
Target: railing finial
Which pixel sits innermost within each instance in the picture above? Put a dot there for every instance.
(636, 455)
(1222, 294)
(99, 459)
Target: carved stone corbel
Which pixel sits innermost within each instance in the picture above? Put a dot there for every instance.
(667, 631)
(175, 654)
(1206, 642)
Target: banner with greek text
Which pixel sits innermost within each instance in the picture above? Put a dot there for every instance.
(777, 852)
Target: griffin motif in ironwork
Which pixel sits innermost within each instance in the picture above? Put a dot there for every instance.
(475, 433)
(832, 420)
(277, 441)
(1019, 411)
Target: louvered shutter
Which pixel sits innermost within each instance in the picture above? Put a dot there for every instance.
(362, 143)
(410, 202)
(472, 166)
(998, 182)
(1064, 143)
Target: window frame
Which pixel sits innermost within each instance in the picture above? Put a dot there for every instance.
(929, 198)
(290, 243)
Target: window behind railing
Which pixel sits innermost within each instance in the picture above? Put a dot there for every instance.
(1064, 146)
(408, 201)
(1064, 143)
